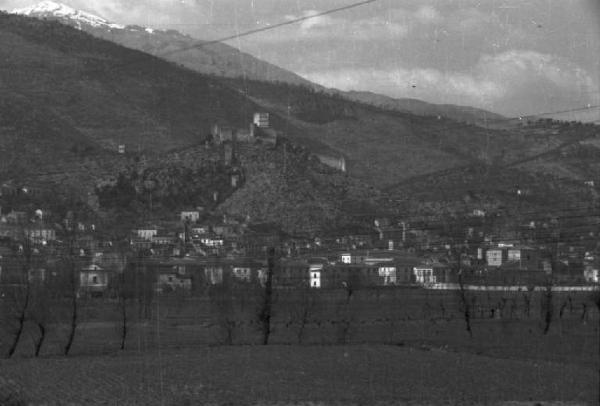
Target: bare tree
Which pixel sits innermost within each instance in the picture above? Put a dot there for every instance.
(71, 266)
(527, 303)
(124, 288)
(21, 295)
(595, 298)
(345, 318)
(301, 311)
(123, 295)
(265, 313)
(221, 300)
(547, 307)
(40, 311)
(464, 302)
(22, 303)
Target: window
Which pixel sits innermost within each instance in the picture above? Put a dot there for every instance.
(94, 279)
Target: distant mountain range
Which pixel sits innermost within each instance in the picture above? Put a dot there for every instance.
(220, 59)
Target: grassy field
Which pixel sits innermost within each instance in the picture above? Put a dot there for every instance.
(361, 374)
(405, 346)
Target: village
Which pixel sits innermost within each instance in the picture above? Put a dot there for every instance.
(194, 249)
(269, 203)
(191, 251)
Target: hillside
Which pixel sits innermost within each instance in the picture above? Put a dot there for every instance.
(438, 169)
(466, 114)
(385, 147)
(109, 95)
(286, 186)
(69, 99)
(212, 58)
(66, 94)
(217, 58)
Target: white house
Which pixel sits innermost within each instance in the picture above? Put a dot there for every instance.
(315, 279)
(514, 254)
(494, 257)
(191, 215)
(346, 258)
(261, 120)
(242, 272)
(590, 274)
(212, 242)
(42, 233)
(388, 273)
(147, 233)
(214, 274)
(262, 275)
(93, 279)
(424, 275)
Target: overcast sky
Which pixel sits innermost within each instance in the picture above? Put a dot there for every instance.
(514, 57)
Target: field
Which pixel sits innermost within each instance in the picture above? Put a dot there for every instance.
(390, 346)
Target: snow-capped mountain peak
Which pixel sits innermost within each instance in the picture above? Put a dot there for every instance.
(49, 8)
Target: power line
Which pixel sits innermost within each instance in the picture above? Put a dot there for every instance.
(270, 27)
(240, 34)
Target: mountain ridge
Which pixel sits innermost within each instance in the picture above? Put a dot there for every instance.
(468, 114)
(51, 8)
(223, 60)
(207, 57)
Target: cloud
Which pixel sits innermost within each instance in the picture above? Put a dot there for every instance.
(428, 15)
(426, 83)
(151, 13)
(537, 72)
(472, 19)
(329, 29)
(512, 82)
(315, 20)
(395, 23)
